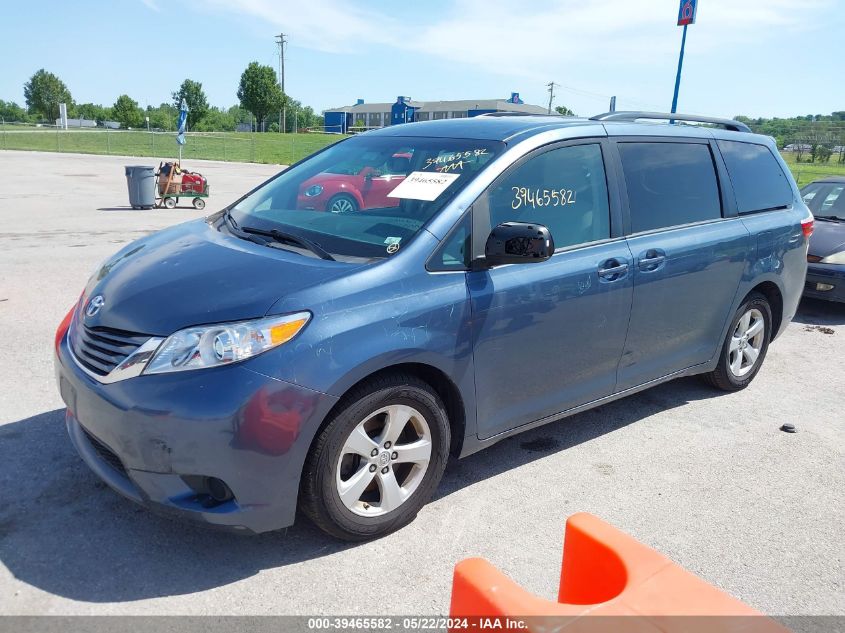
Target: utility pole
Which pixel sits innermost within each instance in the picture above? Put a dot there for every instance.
(282, 41)
(551, 86)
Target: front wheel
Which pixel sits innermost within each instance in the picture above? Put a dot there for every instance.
(342, 203)
(745, 346)
(199, 204)
(378, 460)
(170, 203)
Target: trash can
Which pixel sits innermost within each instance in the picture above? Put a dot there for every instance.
(141, 181)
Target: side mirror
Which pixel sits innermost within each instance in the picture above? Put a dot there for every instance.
(518, 243)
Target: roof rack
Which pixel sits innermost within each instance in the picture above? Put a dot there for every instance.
(728, 124)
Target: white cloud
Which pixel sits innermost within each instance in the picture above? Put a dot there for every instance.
(507, 36)
(536, 40)
(326, 25)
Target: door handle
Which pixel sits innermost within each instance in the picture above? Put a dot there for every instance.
(651, 260)
(612, 270)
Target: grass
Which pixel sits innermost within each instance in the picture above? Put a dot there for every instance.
(281, 149)
(805, 173)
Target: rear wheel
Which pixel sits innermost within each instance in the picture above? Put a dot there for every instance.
(378, 460)
(342, 203)
(745, 346)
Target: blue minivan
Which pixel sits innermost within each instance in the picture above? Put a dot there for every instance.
(510, 271)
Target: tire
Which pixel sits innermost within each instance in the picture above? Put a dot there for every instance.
(170, 203)
(735, 371)
(332, 466)
(342, 203)
(199, 204)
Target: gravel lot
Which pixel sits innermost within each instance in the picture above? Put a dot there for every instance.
(706, 478)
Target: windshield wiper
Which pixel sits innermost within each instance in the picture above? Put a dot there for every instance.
(290, 238)
(832, 218)
(279, 236)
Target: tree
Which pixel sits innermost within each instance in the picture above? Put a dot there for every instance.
(11, 111)
(306, 118)
(90, 111)
(821, 154)
(163, 117)
(258, 91)
(216, 120)
(44, 92)
(126, 111)
(564, 111)
(239, 114)
(191, 91)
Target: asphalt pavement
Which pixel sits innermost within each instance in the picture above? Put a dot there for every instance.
(706, 478)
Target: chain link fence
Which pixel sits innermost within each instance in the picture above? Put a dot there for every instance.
(283, 149)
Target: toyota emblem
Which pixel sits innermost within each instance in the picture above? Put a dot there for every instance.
(94, 305)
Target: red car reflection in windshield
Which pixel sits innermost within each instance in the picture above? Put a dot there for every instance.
(367, 188)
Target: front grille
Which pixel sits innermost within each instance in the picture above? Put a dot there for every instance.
(101, 349)
(105, 453)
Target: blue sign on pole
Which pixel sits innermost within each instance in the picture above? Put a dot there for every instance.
(183, 120)
(687, 11)
(686, 16)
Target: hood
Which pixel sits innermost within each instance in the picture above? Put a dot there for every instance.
(192, 274)
(326, 177)
(828, 238)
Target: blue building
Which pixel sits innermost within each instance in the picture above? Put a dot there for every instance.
(363, 116)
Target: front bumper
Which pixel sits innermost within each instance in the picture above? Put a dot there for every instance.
(155, 439)
(313, 203)
(823, 275)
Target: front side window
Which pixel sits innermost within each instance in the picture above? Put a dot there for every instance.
(564, 189)
(368, 196)
(454, 253)
(758, 180)
(669, 184)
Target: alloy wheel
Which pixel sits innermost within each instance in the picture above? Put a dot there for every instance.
(746, 342)
(384, 460)
(342, 205)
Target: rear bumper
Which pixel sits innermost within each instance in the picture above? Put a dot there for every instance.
(155, 439)
(820, 276)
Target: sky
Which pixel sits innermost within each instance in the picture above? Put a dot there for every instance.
(752, 57)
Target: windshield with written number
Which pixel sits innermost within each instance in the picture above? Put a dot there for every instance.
(366, 197)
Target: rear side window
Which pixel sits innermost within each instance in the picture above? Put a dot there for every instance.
(669, 184)
(758, 180)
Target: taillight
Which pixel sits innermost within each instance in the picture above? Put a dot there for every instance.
(813, 259)
(64, 326)
(807, 226)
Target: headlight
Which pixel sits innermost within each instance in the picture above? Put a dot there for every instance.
(836, 258)
(314, 190)
(215, 345)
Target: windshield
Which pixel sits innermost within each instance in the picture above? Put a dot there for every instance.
(366, 197)
(825, 199)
